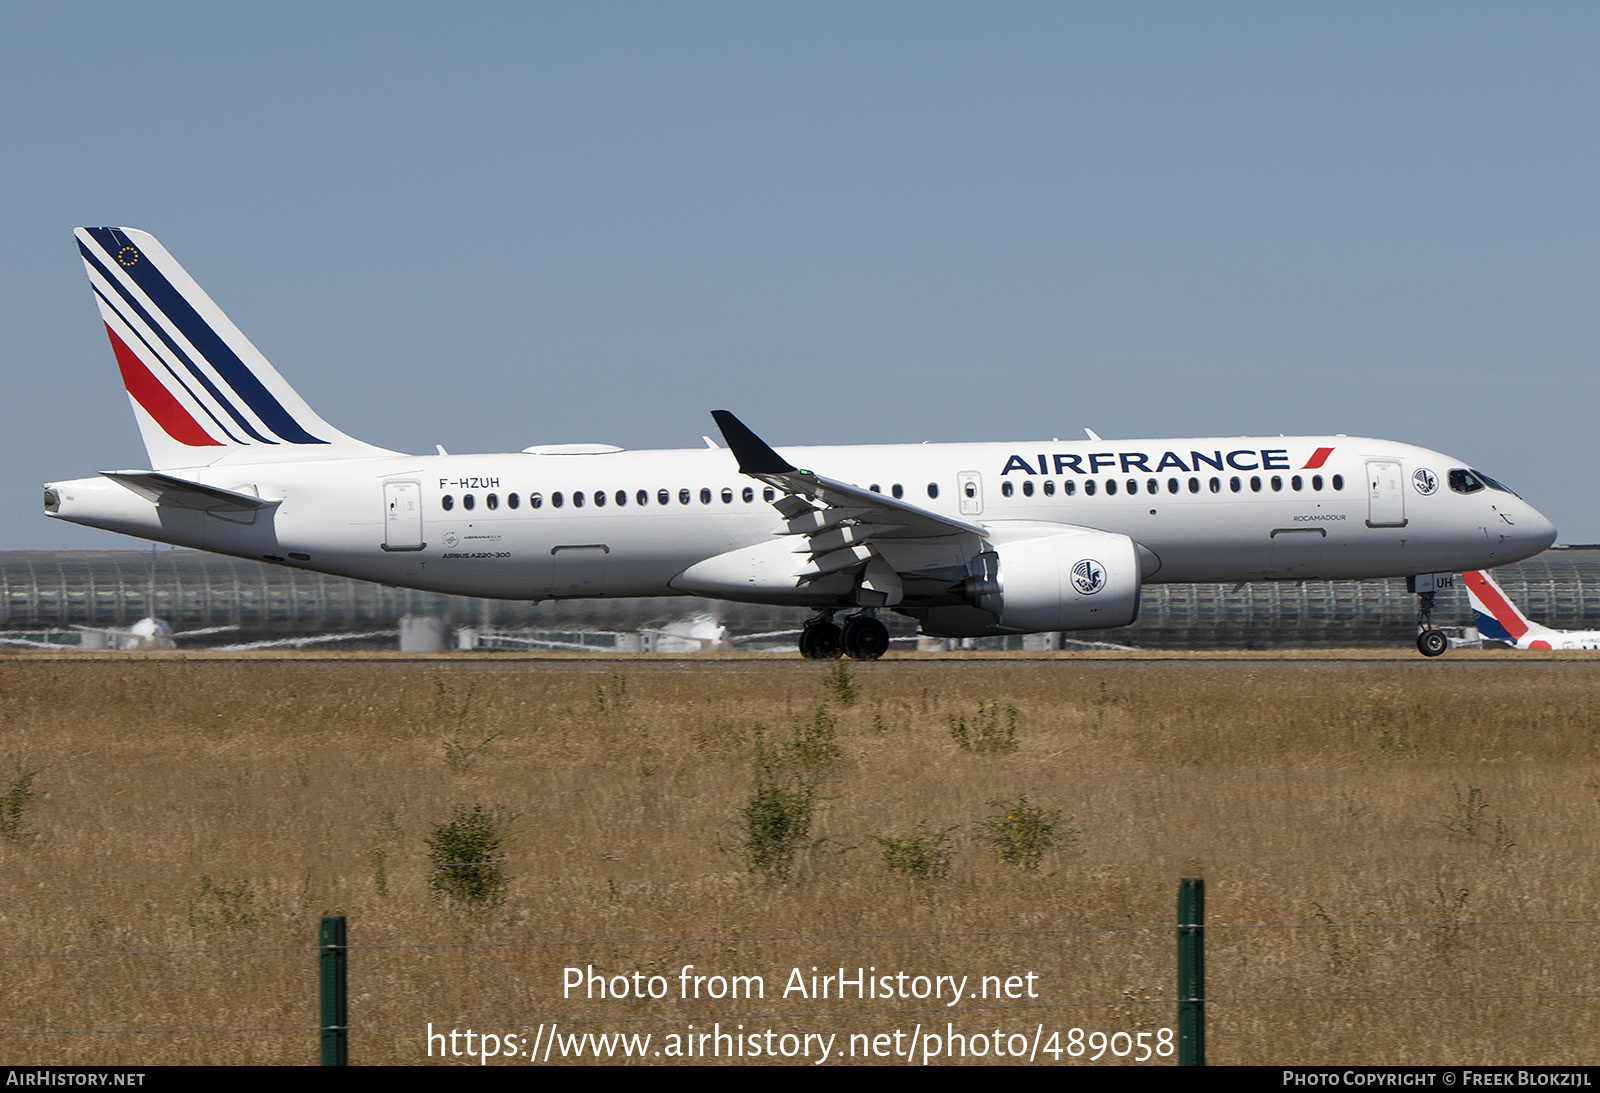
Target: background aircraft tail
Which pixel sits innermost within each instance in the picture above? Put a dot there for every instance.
(1494, 614)
(201, 392)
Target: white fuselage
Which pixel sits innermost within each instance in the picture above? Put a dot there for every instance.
(1277, 508)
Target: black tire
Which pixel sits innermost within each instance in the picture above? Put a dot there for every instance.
(865, 639)
(819, 641)
(1432, 643)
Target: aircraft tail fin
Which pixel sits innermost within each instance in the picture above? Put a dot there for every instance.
(202, 393)
(1493, 612)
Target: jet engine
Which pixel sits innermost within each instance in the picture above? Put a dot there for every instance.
(1067, 580)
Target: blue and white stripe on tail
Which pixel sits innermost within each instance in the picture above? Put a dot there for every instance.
(202, 393)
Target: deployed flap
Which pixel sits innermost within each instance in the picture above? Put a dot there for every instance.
(164, 489)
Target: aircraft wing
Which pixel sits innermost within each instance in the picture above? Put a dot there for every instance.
(899, 548)
(843, 504)
(166, 489)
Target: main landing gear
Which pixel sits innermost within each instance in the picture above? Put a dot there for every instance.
(862, 637)
(1430, 642)
(819, 638)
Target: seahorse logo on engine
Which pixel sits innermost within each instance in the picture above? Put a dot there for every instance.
(1088, 576)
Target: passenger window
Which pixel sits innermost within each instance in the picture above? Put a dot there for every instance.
(1297, 483)
(933, 491)
(1153, 486)
(1006, 488)
(727, 496)
(768, 494)
(875, 488)
(1027, 487)
(1069, 487)
(971, 489)
(749, 494)
(1049, 487)
(1194, 485)
(622, 497)
(642, 497)
(577, 499)
(1111, 487)
(1255, 484)
(1172, 485)
(513, 501)
(705, 496)
(1234, 484)
(1338, 481)
(447, 502)
(535, 501)
(1216, 485)
(683, 497)
(467, 502)
(556, 500)
(897, 491)
(599, 499)
(493, 501)
(1277, 483)
(1316, 481)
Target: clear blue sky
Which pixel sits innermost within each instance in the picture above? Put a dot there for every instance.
(490, 226)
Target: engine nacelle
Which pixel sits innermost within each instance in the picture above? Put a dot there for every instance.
(1068, 580)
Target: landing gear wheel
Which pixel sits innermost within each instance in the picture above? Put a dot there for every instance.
(865, 638)
(819, 640)
(1431, 643)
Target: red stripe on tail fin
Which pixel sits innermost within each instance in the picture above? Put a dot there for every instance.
(1504, 612)
(157, 401)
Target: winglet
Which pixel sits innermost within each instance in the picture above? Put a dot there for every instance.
(753, 454)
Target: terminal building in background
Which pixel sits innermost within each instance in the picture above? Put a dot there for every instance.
(50, 593)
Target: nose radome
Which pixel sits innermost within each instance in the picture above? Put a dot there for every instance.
(1536, 529)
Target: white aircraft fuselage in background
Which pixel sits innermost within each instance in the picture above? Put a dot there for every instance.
(973, 538)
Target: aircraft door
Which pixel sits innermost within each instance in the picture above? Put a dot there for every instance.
(402, 516)
(969, 486)
(1386, 495)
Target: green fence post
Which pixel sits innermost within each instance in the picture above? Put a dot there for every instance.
(1192, 972)
(332, 952)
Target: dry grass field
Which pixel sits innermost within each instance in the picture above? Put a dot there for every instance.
(189, 803)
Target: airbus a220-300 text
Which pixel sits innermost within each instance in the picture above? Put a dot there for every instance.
(969, 539)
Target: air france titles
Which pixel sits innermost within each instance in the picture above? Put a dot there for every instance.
(1240, 459)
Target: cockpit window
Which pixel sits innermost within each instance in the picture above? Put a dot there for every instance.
(1464, 481)
(1493, 485)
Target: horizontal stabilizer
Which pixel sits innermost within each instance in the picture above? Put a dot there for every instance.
(164, 489)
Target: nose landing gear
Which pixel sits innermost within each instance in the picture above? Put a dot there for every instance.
(1430, 642)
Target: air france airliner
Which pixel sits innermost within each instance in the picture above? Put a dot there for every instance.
(1498, 619)
(969, 539)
